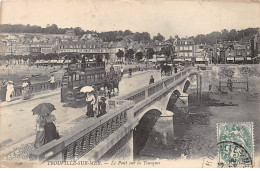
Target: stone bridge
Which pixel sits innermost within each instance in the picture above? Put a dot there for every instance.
(122, 132)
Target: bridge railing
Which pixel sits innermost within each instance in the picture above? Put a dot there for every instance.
(136, 69)
(85, 138)
(143, 93)
(37, 87)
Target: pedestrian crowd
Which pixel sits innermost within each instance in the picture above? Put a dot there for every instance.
(7, 89)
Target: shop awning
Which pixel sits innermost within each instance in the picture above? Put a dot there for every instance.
(230, 58)
(249, 58)
(200, 59)
(239, 59)
(178, 59)
(187, 59)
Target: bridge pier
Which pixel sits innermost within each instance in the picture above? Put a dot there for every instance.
(122, 150)
(165, 126)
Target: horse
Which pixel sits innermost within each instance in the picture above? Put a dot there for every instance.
(166, 69)
(110, 88)
(108, 85)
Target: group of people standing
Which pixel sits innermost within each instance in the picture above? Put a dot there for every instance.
(7, 90)
(45, 130)
(95, 105)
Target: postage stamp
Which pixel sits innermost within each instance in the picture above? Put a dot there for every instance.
(235, 144)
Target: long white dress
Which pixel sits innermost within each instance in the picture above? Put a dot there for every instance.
(9, 92)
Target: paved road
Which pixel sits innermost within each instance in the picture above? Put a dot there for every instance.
(17, 122)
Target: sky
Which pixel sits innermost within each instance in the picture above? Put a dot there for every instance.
(168, 17)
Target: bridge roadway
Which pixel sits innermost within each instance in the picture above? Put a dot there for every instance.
(17, 122)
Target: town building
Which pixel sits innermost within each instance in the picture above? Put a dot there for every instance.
(200, 54)
(184, 49)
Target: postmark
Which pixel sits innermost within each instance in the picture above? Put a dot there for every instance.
(235, 144)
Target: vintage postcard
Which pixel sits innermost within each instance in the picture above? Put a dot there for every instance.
(130, 84)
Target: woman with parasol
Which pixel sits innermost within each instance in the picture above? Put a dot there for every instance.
(40, 133)
(48, 121)
(90, 100)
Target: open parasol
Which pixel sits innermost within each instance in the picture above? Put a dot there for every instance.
(86, 89)
(43, 108)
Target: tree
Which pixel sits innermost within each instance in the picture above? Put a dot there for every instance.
(224, 34)
(227, 73)
(159, 37)
(168, 51)
(78, 31)
(120, 54)
(127, 32)
(150, 52)
(119, 38)
(129, 54)
(139, 55)
(248, 72)
(232, 34)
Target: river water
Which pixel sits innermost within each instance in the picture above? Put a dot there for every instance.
(191, 137)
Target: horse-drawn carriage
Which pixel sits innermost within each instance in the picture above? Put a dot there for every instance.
(166, 69)
(78, 75)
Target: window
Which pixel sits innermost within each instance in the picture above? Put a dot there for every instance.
(186, 48)
(88, 78)
(92, 77)
(181, 48)
(76, 77)
(185, 54)
(190, 47)
(190, 54)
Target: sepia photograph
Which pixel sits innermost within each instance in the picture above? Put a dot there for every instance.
(129, 84)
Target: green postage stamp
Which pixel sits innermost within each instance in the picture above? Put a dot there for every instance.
(235, 144)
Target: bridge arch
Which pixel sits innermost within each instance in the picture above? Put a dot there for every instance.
(173, 99)
(142, 131)
(186, 86)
